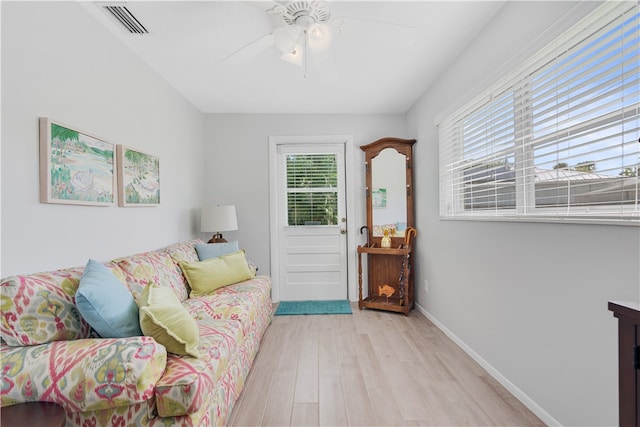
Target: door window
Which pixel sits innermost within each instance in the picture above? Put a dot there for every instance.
(312, 189)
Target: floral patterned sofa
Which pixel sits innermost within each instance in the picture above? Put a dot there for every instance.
(50, 353)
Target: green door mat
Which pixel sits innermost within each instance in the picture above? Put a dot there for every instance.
(292, 308)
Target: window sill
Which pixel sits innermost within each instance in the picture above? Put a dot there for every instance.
(628, 221)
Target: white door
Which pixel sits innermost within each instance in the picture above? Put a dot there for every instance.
(311, 218)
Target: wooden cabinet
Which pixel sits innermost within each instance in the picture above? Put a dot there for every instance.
(390, 227)
(628, 314)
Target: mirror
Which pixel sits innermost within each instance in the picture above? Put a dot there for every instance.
(389, 190)
(389, 194)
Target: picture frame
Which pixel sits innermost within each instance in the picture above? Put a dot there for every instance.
(138, 177)
(379, 198)
(76, 167)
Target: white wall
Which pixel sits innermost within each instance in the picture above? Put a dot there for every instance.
(57, 61)
(237, 170)
(528, 298)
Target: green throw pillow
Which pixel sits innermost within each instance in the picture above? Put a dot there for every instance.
(163, 317)
(206, 276)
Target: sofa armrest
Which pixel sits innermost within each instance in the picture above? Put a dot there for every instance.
(84, 374)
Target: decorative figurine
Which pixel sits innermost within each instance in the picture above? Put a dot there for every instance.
(386, 241)
(386, 290)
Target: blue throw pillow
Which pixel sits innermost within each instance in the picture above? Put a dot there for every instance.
(106, 304)
(215, 250)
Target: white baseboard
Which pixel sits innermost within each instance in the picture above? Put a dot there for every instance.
(519, 394)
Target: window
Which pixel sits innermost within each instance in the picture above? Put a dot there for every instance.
(312, 189)
(556, 138)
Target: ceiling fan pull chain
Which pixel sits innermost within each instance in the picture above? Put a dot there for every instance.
(306, 51)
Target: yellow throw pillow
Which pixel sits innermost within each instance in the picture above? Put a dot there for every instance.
(163, 317)
(206, 276)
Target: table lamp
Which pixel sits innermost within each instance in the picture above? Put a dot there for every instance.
(217, 219)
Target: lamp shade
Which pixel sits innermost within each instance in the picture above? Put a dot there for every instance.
(218, 218)
(320, 36)
(295, 57)
(285, 38)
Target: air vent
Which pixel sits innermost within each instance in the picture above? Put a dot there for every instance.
(121, 14)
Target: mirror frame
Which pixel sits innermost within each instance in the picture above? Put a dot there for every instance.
(371, 151)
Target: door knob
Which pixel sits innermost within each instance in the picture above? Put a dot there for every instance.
(343, 231)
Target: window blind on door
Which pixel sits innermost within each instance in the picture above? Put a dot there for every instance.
(312, 189)
(559, 136)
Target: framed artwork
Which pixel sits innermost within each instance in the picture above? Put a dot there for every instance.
(379, 197)
(138, 178)
(75, 167)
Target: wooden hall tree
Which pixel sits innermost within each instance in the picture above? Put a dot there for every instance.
(390, 226)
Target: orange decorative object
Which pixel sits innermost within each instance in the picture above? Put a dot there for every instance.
(386, 290)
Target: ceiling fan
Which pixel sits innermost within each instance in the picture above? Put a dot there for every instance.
(307, 28)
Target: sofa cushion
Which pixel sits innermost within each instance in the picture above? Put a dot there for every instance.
(152, 267)
(40, 308)
(231, 323)
(206, 276)
(163, 317)
(214, 250)
(184, 251)
(245, 302)
(187, 382)
(83, 375)
(106, 303)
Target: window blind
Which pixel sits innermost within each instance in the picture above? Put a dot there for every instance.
(312, 189)
(559, 136)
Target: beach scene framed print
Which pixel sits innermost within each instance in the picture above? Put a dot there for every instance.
(138, 178)
(75, 167)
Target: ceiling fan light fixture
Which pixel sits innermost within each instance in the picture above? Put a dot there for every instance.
(294, 56)
(320, 36)
(307, 28)
(285, 38)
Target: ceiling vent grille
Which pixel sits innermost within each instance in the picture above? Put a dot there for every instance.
(122, 14)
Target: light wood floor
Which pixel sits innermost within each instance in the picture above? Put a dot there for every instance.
(371, 368)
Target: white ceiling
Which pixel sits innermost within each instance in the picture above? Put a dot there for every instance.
(372, 67)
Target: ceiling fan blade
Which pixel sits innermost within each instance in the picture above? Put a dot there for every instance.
(265, 5)
(250, 50)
